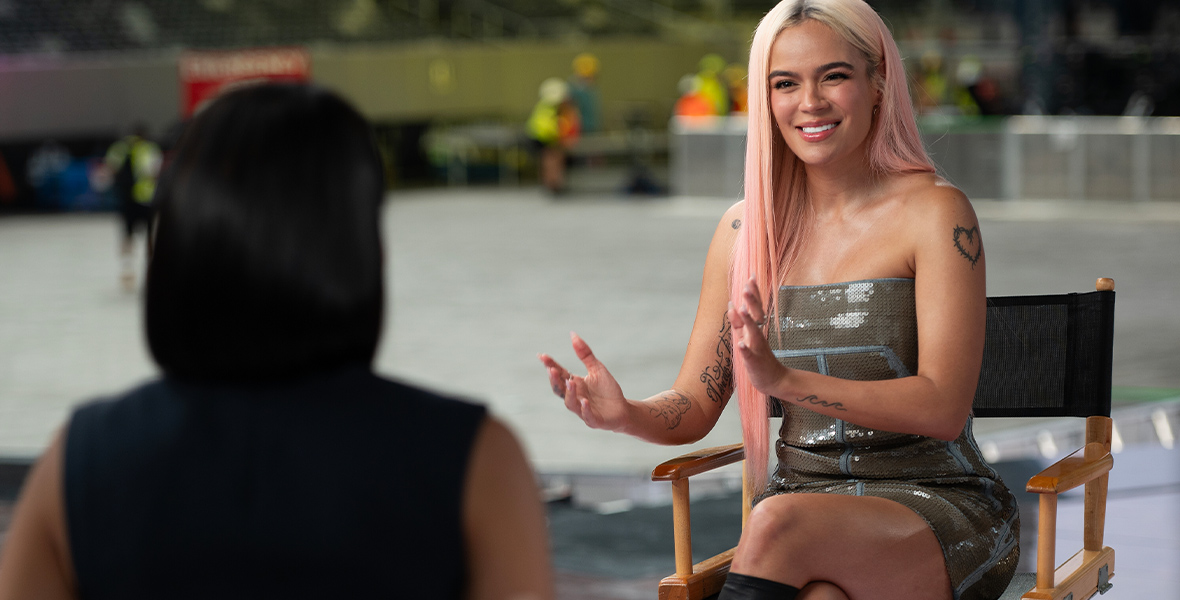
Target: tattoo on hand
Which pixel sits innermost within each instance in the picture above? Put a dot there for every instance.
(671, 406)
(737, 224)
(815, 401)
(969, 243)
(718, 378)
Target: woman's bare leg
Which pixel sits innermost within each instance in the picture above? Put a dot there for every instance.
(865, 547)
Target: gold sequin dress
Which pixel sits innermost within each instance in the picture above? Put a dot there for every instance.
(867, 330)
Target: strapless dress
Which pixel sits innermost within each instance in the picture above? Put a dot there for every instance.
(868, 330)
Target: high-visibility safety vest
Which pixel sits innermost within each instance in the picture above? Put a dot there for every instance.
(543, 124)
(143, 157)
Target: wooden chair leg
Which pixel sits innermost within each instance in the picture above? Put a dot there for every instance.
(1098, 439)
(682, 527)
(1046, 541)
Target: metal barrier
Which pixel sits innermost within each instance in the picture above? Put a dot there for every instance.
(1021, 157)
(707, 156)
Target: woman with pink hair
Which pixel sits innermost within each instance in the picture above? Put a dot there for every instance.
(847, 292)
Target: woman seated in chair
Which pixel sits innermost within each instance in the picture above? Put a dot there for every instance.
(848, 287)
(269, 461)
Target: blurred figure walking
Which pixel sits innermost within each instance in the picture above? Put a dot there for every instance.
(553, 126)
(135, 161)
(584, 92)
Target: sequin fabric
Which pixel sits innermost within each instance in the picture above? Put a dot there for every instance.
(867, 330)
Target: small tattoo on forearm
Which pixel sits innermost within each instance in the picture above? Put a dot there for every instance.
(737, 224)
(718, 377)
(671, 406)
(969, 243)
(815, 401)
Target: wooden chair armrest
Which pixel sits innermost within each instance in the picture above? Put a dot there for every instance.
(1072, 471)
(700, 461)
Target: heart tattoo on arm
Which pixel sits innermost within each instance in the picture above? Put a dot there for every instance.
(969, 243)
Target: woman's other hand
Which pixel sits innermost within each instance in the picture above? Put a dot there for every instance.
(596, 398)
(749, 320)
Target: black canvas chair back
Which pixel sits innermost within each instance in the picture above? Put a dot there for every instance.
(1047, 356)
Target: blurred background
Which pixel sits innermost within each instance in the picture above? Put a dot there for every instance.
(450, 84)
(561, 164)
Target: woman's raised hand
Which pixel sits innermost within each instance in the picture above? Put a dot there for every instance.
(597, 397)
(749, 338)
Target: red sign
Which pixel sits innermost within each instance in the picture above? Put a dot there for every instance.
(204, 75)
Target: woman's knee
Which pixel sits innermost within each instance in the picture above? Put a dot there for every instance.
(788, 512)
(821, 590)
(779, 521)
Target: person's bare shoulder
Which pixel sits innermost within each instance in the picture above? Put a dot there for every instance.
(928, 200)
(938, 213)
(728, 228)
(733, 215)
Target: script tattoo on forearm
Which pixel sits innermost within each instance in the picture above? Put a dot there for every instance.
(815, 401)
(969, 243)
(718, 377)
(671, 406)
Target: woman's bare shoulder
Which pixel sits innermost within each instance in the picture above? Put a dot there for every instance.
(733, 215)
(937, 219)
(729, 226)
(928, 200)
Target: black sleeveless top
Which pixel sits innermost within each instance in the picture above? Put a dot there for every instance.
(341, 484)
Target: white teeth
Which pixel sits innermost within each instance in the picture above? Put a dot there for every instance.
(818, 129)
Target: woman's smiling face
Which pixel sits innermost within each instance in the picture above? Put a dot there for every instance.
(821, 94)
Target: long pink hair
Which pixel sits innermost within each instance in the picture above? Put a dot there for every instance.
(777, 207)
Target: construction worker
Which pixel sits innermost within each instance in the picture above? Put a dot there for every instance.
(553, 127)
(135, 162)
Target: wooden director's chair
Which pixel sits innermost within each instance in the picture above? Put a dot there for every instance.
(1044, 356)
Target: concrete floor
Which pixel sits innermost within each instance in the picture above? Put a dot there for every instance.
(482, 280)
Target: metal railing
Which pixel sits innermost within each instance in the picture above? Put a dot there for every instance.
(1020, 157)
(1072, 158)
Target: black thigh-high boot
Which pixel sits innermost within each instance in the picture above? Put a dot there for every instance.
(748, 587)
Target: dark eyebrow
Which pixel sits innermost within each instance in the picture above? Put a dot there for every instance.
(839, 64)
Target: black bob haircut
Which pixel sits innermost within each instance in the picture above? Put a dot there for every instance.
(267, 260)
